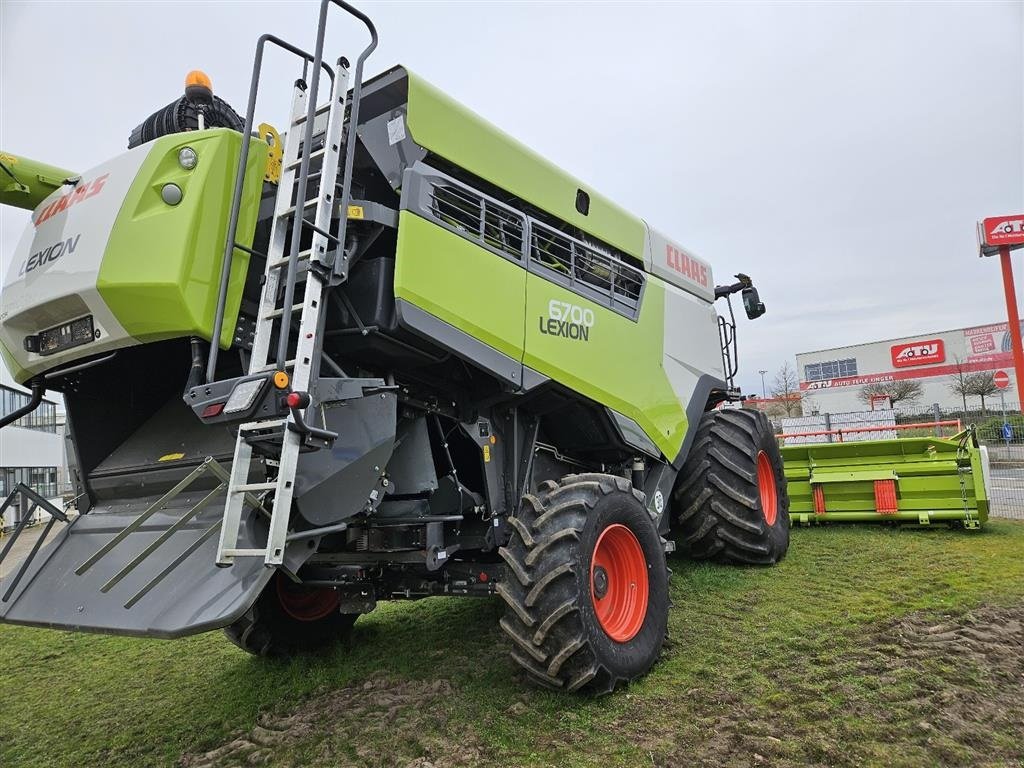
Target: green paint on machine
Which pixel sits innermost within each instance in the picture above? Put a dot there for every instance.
(162, 262)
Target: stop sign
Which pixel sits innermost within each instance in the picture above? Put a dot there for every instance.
(1001, 379)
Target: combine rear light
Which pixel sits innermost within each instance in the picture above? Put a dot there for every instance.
(243, 395)
(187, 158)
(171, 194)
(213, 409)
(297, 400)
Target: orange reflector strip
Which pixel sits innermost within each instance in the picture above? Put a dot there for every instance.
(281, 380)
(819, 499)
(885, 497)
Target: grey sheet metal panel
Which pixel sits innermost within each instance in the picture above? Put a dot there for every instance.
(336, 483)
(195, 596)
(633, 435)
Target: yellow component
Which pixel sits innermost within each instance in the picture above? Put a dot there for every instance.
(8, 159)
(171, 457)
(281, 380)
(275, 152)
(493, 439)
(200, 78)
(356, 212)
(487, 453)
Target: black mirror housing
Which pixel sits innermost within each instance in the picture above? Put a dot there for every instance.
(752, 303)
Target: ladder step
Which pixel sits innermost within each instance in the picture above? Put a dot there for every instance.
(272, 367)
(252, 426)
(254, 487)
(283, 261)
(312, 155)
(278, 312)
(323, 109)
(291, 210)
(245, 552)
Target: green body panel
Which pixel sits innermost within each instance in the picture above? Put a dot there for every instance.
(33, 182)
(461, 283)
(493, 300)
(162, 263)
(927, 472)
(442, 125)
(619, 365)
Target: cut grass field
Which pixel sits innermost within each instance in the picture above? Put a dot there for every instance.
(866, 646)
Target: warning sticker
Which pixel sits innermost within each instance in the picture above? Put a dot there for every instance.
(396, 130)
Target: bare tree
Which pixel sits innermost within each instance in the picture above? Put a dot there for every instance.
(900, 391)
(982, 385)
(786, 390)
(959, 381)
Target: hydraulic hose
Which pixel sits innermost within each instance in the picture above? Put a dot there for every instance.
(38, 386)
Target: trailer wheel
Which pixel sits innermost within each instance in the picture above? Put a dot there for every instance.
(586, 585)
(730, 499)
(290, 618)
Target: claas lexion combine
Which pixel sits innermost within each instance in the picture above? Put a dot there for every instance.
(386, 353)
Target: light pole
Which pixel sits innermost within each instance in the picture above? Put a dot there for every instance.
(763, 395)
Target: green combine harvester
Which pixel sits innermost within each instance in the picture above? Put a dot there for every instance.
(909, 480)
(385, 353)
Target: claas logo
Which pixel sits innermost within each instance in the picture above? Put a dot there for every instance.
(686, 266)
(83, 191)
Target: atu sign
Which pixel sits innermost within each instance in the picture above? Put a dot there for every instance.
(918, 353)
(1000, 231)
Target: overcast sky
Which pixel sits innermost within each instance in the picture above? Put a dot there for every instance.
(840, 153)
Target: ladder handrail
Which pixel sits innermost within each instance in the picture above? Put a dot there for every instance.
(353, 126)
(236, 197)
(307, 139)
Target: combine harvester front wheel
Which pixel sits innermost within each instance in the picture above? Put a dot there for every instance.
(731, 501)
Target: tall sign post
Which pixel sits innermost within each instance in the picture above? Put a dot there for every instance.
(1002, 381)
(1002, 234)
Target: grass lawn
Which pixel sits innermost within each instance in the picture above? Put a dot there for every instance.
(867, 645)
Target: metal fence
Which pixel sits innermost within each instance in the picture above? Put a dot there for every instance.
(1000, 431)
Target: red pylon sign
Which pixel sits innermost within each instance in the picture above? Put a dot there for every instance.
(1002, 234)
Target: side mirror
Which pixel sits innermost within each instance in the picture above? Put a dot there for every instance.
(752, 303)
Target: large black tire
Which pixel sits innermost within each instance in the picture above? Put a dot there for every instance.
(730, 500)
(557, 576)
(289, 619)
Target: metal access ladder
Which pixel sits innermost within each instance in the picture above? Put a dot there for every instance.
(298, 359)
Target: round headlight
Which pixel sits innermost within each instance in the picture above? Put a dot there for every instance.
(187, 158)
(171, 194)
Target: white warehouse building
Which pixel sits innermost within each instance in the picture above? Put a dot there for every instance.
(831, 380)
(31, 449)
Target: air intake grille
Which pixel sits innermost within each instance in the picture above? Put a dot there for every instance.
(478, 218)
(583, 266)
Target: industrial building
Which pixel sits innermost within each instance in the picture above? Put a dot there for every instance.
(31, 449)
(831, 380)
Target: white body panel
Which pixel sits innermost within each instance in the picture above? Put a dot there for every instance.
(692, 345)
(678, 266)
(52, 277)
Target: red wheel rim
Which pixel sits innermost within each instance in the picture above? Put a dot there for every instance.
(766, 487)
(618, 583)
(306, 603)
